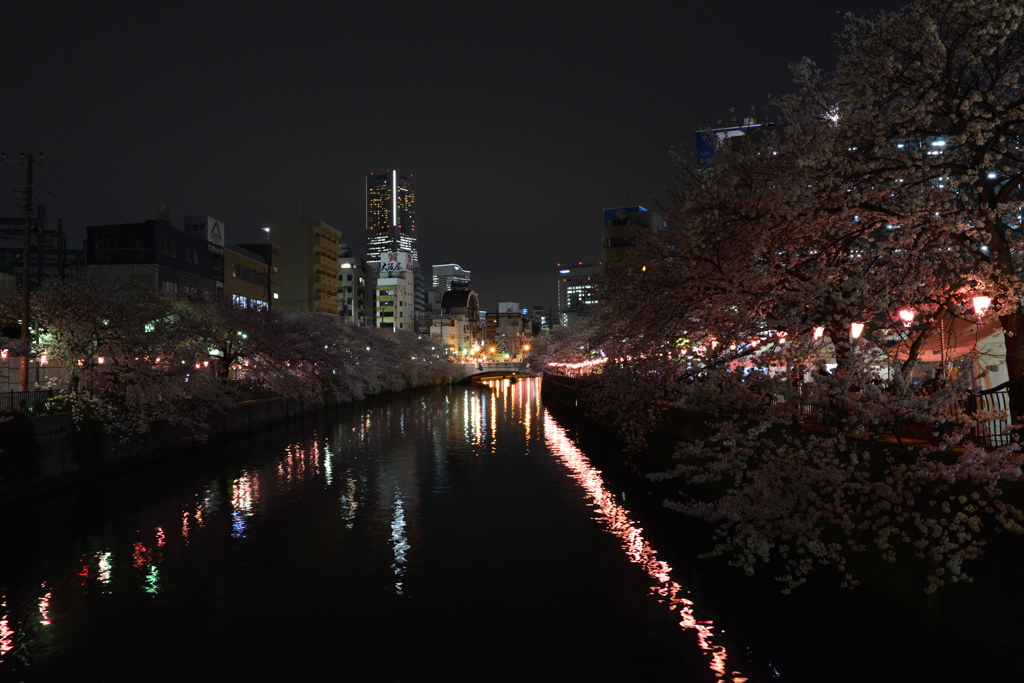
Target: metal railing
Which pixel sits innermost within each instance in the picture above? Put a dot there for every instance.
(994, 432)
(991, 433)
(25, 401)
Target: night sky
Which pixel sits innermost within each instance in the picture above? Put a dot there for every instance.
(520, 122)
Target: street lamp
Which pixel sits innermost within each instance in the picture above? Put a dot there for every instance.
(981, 304)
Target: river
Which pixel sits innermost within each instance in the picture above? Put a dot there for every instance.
(454, 534)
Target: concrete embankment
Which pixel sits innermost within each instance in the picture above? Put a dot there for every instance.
(41, 452)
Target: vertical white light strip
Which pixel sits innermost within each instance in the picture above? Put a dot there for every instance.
(394, 198)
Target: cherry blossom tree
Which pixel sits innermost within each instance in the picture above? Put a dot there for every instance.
(137, 357)
(133, 357)
(891, 185)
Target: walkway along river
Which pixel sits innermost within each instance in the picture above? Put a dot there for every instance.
(453, 534)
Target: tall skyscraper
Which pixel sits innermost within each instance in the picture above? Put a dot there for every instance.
(390, 215)
(391, 229)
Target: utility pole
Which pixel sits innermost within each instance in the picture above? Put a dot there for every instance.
(26, 261)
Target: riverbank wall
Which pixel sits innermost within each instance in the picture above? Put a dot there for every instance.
(47, 451)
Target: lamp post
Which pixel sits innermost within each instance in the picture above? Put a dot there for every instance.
(270, 294)
(981, 304)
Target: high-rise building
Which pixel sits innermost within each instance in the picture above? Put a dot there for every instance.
(390, 215)
(577, 292)
(391, 229)
(448, 275)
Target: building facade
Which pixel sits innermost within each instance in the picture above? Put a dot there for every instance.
(577, 292)
(449, 274)
(505, 331)
(357, 294)
(156, 255)
(619, 232)
(249, 280)
(48, 255)
(395, 292)
(308, 266)
(390, 215)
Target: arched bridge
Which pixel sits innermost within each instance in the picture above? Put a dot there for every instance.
(483, 370)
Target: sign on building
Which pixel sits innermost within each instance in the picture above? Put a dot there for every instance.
(211, 229)
(396, 262)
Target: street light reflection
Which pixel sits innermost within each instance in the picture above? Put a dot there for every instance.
(616, 520)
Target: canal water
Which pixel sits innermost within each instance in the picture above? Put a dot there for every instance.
(454, 534)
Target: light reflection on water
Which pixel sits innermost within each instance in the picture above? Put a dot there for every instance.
(373, 471)
(616, 520)
(399, 543)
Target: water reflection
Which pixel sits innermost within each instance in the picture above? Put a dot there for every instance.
(617, 521)
(344, 505)
(6, 632)
(399, 543)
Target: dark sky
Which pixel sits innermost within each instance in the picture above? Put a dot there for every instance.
(519, 121)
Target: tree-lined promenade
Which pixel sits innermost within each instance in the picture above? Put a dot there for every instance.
(828, 264)
(134, 357)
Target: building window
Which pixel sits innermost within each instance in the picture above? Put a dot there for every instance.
(119, 247)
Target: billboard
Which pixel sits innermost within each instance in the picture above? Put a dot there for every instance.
(396, 262)
(210, 229)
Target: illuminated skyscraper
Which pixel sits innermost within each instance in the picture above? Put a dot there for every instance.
(390, 215)
(390, 231)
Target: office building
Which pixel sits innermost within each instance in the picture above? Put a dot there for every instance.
(577, 292)
(307, 265)
(249, 281)
(449, 274)
(391, 229)
(505, 331)
(390, 215)
(619, 232)
(50, 256)
(156, 255)
(356, 297)
(395, 292)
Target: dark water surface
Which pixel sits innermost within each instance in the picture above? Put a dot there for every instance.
(450, 535)
(431, 536)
